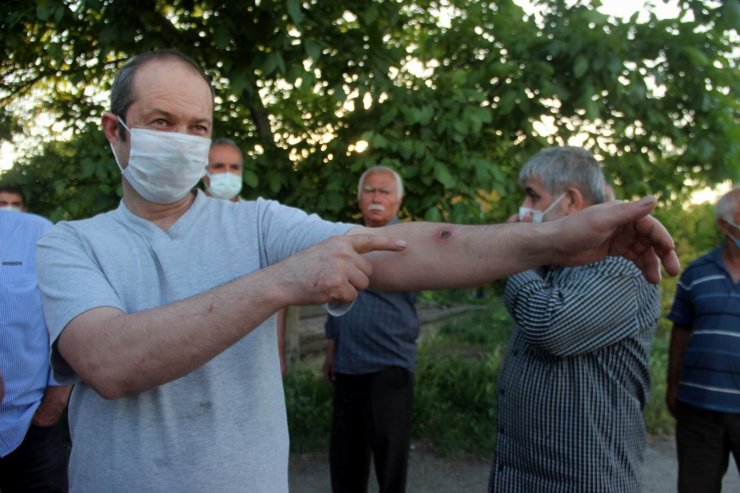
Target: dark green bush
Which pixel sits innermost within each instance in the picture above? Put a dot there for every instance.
(308, 398)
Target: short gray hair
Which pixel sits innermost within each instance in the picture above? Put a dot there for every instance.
(381, 169)
(727, 205)
(122, 92)
(223, 141)
(558, 168)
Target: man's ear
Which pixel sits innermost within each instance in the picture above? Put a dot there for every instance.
(111, 126)
(574, 200)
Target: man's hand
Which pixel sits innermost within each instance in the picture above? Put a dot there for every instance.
(328, 368)
(51, 407)
(332, 270)
(616, 228)
(671, 399)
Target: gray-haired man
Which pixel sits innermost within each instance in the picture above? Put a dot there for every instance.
(576, 377)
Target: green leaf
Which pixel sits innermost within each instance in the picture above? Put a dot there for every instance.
(222, 38)
(388, 114)
(313, 49)
(507, 103)
(592, 109)
(426, 113)
(87, 168)
(370, 15)
(442, 174)
(432, 215)
(294, 11)
(251, 178)
(274, 181)
(239, 82)
(580, 66)
(614, 65)
(696, 56)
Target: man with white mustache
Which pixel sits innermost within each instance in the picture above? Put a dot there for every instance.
(370, 360)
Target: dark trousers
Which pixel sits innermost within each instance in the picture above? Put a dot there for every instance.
(372, 414)
(704, 441)
(39, 464)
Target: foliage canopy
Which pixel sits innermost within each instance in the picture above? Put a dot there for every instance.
(451, 93)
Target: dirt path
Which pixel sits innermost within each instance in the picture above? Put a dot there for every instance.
(429, 473)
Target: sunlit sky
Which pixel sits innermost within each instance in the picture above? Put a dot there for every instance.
(619, 8)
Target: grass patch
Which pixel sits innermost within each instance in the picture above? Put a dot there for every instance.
(308, 398)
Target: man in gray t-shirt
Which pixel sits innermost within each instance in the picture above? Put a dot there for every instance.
(172, 348)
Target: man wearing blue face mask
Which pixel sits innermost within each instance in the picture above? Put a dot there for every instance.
(161, 311)
(703, 391)
(223, 179)
(576, 376)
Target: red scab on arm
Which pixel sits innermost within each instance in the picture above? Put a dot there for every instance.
(444, 234)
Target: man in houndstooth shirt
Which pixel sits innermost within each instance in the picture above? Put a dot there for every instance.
(576, 377)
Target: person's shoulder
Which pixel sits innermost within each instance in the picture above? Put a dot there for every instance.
(84, 226)
(701, 264)
(31, 218)
(25, 221)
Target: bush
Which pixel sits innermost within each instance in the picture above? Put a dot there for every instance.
(308, 398)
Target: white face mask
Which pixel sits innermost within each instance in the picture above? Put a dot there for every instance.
(164, 166)
(10, 208)
(224, 185)
(537, 216)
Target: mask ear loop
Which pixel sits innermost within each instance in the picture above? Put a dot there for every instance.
(553, 204)
(115, 156)
(123, 123)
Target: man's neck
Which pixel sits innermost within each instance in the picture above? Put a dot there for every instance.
(163, 215)
(235, 198)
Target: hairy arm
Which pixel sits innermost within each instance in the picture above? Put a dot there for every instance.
(680, 337)
(450, 256)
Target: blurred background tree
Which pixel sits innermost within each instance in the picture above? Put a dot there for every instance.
(454, 94)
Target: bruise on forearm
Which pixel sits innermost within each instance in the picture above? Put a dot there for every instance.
(444, 234)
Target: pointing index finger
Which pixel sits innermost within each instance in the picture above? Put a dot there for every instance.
(364, 243)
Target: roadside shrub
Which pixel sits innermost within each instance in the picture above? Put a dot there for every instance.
(308, 399)
(456, 381)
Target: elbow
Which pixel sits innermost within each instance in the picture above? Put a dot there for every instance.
(106, 386)
(109, 391)
(549, 346)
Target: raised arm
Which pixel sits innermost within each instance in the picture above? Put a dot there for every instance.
(448, 256)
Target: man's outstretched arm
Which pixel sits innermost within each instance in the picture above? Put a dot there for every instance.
(450, 256)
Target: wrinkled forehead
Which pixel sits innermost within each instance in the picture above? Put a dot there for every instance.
(174, 81)
(380, 178)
